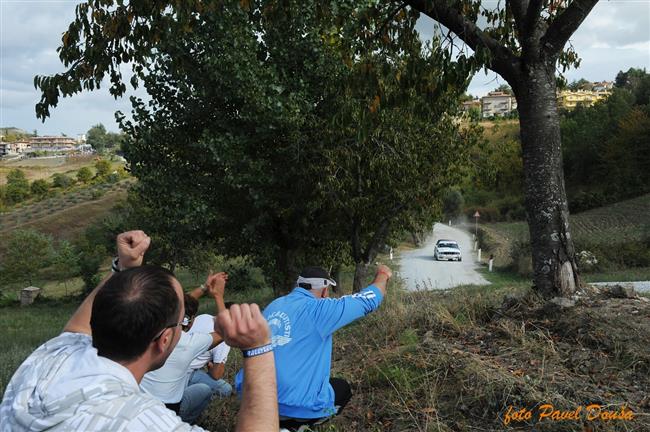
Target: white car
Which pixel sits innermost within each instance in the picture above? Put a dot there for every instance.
(447, 250)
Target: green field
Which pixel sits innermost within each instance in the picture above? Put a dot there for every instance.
(625, 220)
(44, 168)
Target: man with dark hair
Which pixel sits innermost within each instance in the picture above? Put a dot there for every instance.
(170, 382)
(302, 324)
(75, 382)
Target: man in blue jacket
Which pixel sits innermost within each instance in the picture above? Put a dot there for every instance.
(302, 324)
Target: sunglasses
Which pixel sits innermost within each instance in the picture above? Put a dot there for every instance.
(165, 328)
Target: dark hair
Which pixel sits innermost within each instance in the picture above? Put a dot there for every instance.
(130, 309)
(191, 305)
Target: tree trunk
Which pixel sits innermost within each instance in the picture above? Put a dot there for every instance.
(287, 272)
(360, 275)
(554, 265)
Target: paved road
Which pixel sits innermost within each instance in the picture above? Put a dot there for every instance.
(419, 270)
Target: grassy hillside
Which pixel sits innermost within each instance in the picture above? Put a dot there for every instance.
(448, 361)
(67, 215)
(44, 168)
(617, 227)
(625, 220)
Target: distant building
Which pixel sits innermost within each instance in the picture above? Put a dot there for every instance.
(81, 138)
(568, 99)
(53, 144)
(20, 146)
(497, 104)
(9, 148)
(602, 86)
(468, 105)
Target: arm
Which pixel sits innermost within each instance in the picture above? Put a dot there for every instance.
(382, 277)
(198, 292)
(332, 314)
(217, 370)
(131, 247)
(243, 326)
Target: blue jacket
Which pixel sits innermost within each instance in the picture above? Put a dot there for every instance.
(302, 328)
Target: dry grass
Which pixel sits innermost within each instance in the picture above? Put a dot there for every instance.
(455, 361)
(44, 168)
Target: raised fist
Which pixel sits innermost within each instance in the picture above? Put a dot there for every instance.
(243, 326)
(131, 246)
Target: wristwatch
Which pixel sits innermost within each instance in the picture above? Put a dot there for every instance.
(115, 265)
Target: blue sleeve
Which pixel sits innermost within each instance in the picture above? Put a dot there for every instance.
(332, 314)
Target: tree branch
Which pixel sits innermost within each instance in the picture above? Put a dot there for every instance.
(401, 6)
(564, 25)
(518, 8)
(503, 60)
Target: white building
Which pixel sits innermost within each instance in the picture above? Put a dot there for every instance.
(497, 104)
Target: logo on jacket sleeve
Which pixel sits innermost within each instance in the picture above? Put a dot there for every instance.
(280, 326)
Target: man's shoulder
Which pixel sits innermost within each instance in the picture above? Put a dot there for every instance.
(135, 411)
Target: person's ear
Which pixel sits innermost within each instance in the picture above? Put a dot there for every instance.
(163, 342)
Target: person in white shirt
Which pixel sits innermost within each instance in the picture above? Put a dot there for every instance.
(87, 377)
(215, 359)
(170, 383)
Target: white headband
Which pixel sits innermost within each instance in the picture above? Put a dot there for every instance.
(315, 283)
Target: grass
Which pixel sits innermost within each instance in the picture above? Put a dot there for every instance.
(24, 329)
(625, 220)
(44, 168)
(63, 217)
(626, 275)
(444, 361)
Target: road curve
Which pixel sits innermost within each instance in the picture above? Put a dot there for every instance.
(420, 271)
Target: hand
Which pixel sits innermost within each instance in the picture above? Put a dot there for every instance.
(385, 270)
(131, 246)
(243, 326)
(216, 284)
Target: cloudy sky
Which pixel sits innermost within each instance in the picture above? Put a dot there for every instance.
(615, 36)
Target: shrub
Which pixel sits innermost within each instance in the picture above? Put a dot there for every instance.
(61, 181)
(17, 189)
(40, 188)
(103, 168)
(84, 175)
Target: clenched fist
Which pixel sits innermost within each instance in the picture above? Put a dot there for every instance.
(216, 284)
(243, 326)
(385, 270)
(131, 246)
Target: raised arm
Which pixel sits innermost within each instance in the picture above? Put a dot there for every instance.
(131, 247)
(334, 313)
(215, 287)
(244, 326)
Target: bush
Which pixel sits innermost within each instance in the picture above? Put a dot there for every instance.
(40, 188)
(585, 200)
(17, 189)
(511, 208)
(62, 181)
(84, 175)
